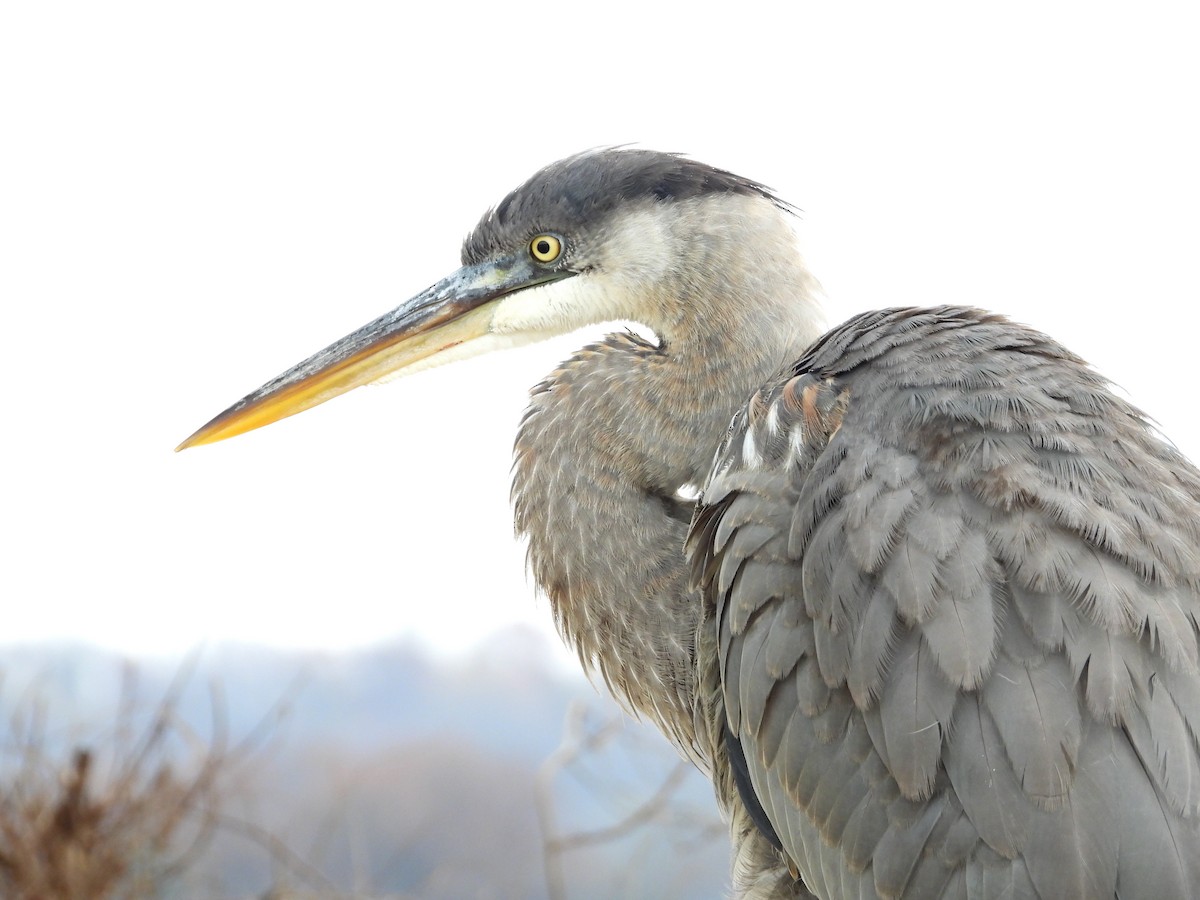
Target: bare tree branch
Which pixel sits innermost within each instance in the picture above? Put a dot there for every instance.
(579, 741)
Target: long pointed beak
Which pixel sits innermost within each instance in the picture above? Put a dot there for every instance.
(453, 311)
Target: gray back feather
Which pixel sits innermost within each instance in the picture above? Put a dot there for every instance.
(954, 586)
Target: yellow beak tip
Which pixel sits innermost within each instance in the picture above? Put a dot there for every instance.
(193, 440)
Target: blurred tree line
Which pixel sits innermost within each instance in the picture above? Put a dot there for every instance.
(249, 773)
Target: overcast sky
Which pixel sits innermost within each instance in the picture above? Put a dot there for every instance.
(195, 196)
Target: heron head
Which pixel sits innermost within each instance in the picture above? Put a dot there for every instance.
(609, 234)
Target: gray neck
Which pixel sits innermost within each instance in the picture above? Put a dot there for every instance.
(608, 440)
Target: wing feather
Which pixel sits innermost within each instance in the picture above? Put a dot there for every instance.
(1038, 722)
(961, 629)
(916, 707)
(986, 785)
(874, 645)
(955, 590)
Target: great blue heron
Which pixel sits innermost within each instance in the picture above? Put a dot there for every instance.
(938, 632)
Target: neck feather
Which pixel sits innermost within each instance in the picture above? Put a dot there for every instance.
(609, 439)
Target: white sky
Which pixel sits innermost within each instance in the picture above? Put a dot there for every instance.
(194, 197)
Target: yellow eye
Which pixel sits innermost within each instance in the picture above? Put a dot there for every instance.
(545, 248)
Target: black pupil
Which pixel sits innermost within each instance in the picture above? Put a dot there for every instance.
(543, 247)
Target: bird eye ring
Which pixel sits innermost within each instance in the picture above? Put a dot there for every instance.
(545, 248)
